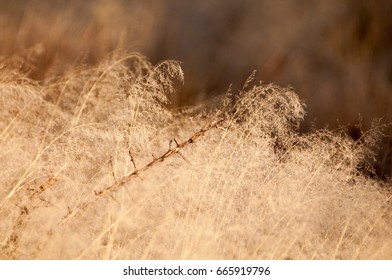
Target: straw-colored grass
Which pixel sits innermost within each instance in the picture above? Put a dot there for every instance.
(94, 166)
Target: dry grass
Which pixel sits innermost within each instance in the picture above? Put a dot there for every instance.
(96, 167)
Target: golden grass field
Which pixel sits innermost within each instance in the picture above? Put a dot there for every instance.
(96, 167)
(98, 163)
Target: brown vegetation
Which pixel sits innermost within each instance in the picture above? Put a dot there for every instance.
(335, 54)
(97, 165)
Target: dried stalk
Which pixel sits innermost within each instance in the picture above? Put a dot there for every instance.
(171, 151)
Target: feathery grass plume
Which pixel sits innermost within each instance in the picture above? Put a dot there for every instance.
(270, 112)
(375, 143)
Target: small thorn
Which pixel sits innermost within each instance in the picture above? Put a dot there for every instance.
(132, 159)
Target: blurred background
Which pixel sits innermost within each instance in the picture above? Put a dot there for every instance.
(336, 54)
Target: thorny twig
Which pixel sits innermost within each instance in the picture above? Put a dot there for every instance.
(124, 180)
(171, 151)
(132, 159)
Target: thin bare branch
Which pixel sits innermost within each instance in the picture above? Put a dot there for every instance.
(171, 151)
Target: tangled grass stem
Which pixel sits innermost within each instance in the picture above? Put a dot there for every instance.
(170, 152)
